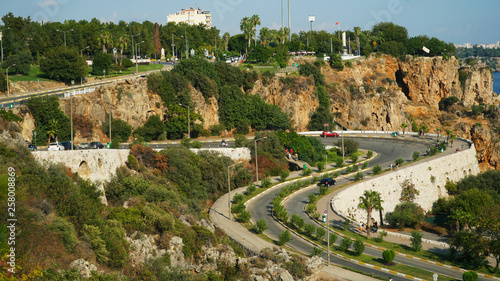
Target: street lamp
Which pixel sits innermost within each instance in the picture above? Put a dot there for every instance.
(133, 49)
(187, 43)
(1, 42)
(136, 61)
(189, 121)
(64, 32)
(81, 51)
(229, 187)
(7, 74)
(256, 164)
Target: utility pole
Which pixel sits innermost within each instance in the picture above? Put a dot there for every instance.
(173, 45)
(133, 53)
(327, 232)
(289, 23)
(282, 17)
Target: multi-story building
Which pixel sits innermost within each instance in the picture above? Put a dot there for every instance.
(192, 17)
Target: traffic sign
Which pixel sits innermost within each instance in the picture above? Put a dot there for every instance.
(326, 211)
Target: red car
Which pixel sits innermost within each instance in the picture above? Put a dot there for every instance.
(329, 134)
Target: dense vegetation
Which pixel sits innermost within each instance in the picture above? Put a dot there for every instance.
(50, 120)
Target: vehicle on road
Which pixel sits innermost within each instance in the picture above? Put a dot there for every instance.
(329, 134)
(84, 145)
(67, 145)
(32, 147)
(326, 182)
(54, 146)
(96, 145)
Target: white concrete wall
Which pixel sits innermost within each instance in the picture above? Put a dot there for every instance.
(239, 153)
(453, 167)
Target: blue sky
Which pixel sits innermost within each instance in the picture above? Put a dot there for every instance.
(456, 21)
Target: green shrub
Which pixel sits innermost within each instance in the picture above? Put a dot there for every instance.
(470, 276)
(93, 236)
(240, 141)
(251, 189)
(348, 169)
(321, 166)
(399, 161)
(309, 229)
(316, 251)
(359, 247)
(333, 238)
(369, 154)
(297, 222)
(132, 162)
(244, 216)
(388, 256)
(320, 233)
(345, 244)
(158, 218)
(339, 162)
(265, 182)
(284, 238)
(346, 225)
(216, 130)
(67, 230)
(307, 172)
(381, 236)
(407, 214)
(359, 176)
(416, 240)
(237, 198)
(354, 158)
(237, 209)
(284, 174)
(196, 144)
(261, 226)
(323, 189)
(415, 155)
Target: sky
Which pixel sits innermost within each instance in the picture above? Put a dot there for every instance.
(456, 21)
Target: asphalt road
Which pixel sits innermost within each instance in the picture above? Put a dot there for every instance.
(388, 150)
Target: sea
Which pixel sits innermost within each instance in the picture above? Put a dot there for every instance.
(496, 82)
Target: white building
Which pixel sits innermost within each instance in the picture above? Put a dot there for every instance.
(192, 17)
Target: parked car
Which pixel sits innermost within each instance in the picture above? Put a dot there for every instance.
(329, 134)
(32, 147)
(84, 145)
(96, 145)
(326, 182)
(67, 145)
(54, 146)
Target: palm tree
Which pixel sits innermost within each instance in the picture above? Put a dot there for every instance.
(255, 20)
(246, 27)
(264, 35)
(52, 131)
(123, 45)
(370, 201)
(357, 32)
(226, 39)
(104, 39)
(404, 126)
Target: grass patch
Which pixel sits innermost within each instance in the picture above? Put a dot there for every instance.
(33, 75)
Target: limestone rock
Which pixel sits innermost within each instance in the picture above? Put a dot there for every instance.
(176, 254)
(207, 224)
(314, 263)
(143, 247)
(84, 267)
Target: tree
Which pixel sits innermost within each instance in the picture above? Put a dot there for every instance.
(3, 81)
(53, 129)
(388, 256)
(320, 117)
(63, 64)
(407, 214)
(261, 226)
(246, 26)
(320, 233)
(297, 221)
(370, 201)
(123, 45)
(120, 130)
(404, 126)
(388, 31)
(102, 64)
(359, 247)
(416, 240)
(284, 174)
(309, 229)
(255, 20)
(408, 191)
(284, 238)
(22, 62)
(264, 35)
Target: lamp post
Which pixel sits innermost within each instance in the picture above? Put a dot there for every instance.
(1, 42)
(7, 74)
(189, 121)
(327, 233)
(64, 32)
(81, 51)
(71, 104)
(136, 61)
(187, 43)
(256, 164)
(173, 45)
(229, 188)
(133, 54)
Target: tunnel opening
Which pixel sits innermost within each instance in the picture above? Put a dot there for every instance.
(401, 83)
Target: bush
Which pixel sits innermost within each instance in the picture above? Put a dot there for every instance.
(237, 209)
(284, 238)
(399, 161)
(323, 189)
(297, 222)
(251, 189)
(320, 233)
(132, 162)
(316, 251)
(415, 155)
(346, 225)
(244, 216)
(333, 238)
(67, 230)
(470, 276)
(284, 174)
(369, 154)
(216, 130)
(261, 226)
(348, 170)
(345, 244)
(416, 240)
(354, 158)
(339, 162)
(309, 229)
(240, 141)
(381, 236)
(92, 235)
(406, 214)
(312, 198)
(359, 247)
(266, 182)
(237, 198)
(364, 165)
(307, 172)
(388, 256)
(359, 176)
(321, 166)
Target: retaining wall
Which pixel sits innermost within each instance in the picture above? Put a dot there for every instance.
(429, 178)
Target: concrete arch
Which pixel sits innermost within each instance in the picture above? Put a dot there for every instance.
(84, 170)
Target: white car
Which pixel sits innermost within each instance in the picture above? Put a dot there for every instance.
(55, 146)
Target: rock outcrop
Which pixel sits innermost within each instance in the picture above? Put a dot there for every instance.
(84, 267)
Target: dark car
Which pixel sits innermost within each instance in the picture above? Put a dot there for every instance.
(329, 134)
(32, 147)
(67, 145)
(96, 145)
(326, 182)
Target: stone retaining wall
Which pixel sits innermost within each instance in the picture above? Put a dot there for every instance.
(428, 176)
